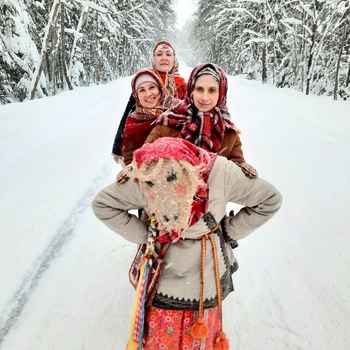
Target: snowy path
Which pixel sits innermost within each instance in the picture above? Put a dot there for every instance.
(57, 147)
(58, 243)
(306, 152)
(64, 283)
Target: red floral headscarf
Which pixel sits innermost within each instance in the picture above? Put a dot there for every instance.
(139, 122)
(166, 100)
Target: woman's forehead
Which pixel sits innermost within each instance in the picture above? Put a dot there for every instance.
(165, 50)
(145, 85)
(206, 79)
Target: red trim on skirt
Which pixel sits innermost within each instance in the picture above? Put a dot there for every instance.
(170, 329)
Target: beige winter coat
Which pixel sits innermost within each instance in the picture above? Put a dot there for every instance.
(180, 277)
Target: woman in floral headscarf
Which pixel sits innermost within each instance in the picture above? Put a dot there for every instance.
(152, 99)
(165, 64)
(203, 118)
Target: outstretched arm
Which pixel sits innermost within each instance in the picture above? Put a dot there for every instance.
(261, 201)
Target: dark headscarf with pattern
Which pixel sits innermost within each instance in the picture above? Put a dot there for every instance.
(205, 129)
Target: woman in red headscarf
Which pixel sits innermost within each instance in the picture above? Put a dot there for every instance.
(165, 62)
(152, 99)
(166, 65)
(203, 118)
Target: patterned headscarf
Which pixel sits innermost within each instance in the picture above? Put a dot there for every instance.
(166, 100)
(205, 129)
(139, 122)
(209, 68)
(168, 78)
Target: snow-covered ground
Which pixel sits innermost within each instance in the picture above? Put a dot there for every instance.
(63, 274)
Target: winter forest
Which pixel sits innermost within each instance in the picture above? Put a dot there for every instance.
(48, 46)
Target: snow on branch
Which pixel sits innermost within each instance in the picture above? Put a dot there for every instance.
(291, 20)
(306, 8)
(240, 10)
(259, 40)
(254, 1)
(252, 32)
(89, 4)
(74, 32)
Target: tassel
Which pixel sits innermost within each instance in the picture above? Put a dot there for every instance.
(222, 343)
(133, 343)
(199, 329)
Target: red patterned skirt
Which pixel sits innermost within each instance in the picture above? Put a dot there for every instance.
(170, 329)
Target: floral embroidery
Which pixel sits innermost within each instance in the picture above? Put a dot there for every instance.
(170, 329)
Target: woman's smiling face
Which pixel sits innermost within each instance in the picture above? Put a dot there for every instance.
(148, 94)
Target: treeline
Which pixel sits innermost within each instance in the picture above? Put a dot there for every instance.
(49, 46)
(303, 44)
(52, 45)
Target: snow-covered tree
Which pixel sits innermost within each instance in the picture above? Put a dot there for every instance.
(48, 46)
(18, 51)
(302, 44)
(51, 45)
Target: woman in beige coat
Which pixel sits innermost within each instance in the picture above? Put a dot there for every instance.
(184, 190)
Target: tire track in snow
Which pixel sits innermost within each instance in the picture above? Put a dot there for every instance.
(62, 237)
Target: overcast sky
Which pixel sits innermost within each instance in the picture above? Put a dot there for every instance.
(184, 9)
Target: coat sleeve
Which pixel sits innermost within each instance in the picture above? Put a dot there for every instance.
(161, 131)
(112, 205)
(231, 147)
(236, 154)
(259, 198)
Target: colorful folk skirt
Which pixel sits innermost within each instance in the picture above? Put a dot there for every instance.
(170, 329)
